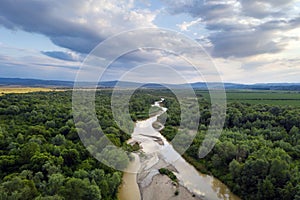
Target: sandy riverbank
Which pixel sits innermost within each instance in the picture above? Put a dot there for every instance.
(153, 185)
(162, 188)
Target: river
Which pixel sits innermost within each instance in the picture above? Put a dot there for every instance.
(155, 153)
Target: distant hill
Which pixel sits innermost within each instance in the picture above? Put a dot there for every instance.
(34, 82)
(19, 82)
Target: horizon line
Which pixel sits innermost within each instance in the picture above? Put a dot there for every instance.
(73, 81)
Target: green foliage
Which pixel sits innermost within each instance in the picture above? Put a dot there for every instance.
(16, 187)
(41, 156)
(257, 155)
(140, 105)
(169, 173)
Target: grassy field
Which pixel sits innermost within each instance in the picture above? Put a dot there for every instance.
(273, 97)
(260, 97)
(8, 90)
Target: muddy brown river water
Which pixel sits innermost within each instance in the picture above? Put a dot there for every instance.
(205, 186)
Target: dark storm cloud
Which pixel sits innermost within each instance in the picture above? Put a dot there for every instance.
(242, 28)
(76, 25)
(40, 17)
(237, 28)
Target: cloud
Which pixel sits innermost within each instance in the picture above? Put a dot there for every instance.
(26, 63)
(185, 25)
(241, 28)
(207, 10)
(76, 25)
(237, 29)
(264, 8)
(246, 43)
(67, 56)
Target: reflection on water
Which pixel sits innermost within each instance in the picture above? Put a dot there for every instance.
(207, 187)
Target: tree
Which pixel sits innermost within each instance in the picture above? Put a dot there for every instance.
(235, 169)
(266, 190)
(19, 189)
(279, 170)
(28, 150)
(55, 183)
(71, 157)
(59, 140)
(12, 110)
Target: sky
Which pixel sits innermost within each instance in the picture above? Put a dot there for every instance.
(242, 41)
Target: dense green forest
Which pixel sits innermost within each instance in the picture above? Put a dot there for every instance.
(41, 155)
(258, 153)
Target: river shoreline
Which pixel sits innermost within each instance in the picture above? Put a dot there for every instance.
(152, 183)
(148, 183)
(162, 188)
(133, 185)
